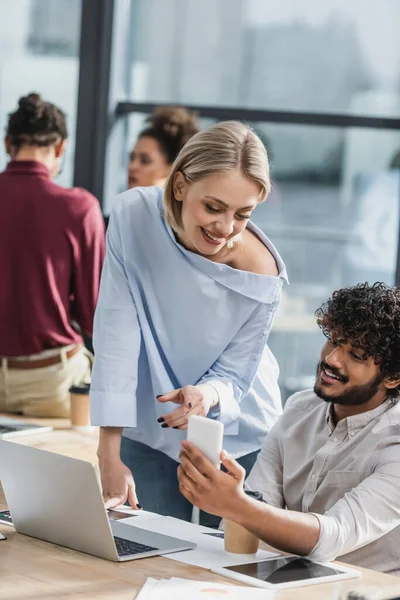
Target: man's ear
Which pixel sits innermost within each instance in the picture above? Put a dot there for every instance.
(390, 384)
(179, 186)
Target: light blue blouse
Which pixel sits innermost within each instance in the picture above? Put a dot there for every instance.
(167, 317)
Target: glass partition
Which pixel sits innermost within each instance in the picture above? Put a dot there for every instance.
(39, 43)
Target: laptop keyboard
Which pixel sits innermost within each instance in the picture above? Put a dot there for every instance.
(5, 516)
(4, 429)
(127, 547)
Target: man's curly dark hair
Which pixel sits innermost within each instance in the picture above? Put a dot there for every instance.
(368, 318)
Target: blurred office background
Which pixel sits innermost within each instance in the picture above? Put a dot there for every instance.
(319, 81)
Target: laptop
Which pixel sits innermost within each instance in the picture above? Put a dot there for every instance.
(15, 427)
(58, 499)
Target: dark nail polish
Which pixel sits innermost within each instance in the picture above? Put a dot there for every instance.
(189, 404)
(159, 396)
(175, 427)
(160, 420)
(138, 506)
(164, 425)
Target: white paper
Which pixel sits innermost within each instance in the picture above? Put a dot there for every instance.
(182, 589)
(210, 552)
(148, 589)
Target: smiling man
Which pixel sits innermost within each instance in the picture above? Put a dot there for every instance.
(329, 470)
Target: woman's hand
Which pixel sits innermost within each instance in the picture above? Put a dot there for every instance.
(193, 400)
(209, 488)
(118, 484)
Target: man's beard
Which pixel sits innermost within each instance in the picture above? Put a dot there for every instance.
(353, 396)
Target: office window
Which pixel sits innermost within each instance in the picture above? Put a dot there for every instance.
(334, 216)
(39, 42)
(334, 210)
(303, 55)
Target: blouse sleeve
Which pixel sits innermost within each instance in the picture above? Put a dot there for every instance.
(116, 341)
(234, 371)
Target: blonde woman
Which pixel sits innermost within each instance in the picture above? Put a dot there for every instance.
(188, 295)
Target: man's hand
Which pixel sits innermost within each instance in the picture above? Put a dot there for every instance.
(193, 400)
(209, 488)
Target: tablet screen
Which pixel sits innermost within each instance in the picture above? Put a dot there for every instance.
(117, 515)
(284, 570)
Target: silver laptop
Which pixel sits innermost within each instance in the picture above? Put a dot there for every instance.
(14, 427)
(58, 499)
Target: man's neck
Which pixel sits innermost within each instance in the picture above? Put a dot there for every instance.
(342, 411)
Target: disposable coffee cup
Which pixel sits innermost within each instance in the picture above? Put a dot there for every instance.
(80, 407)
(237, 539)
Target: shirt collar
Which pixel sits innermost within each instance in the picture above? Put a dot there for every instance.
(27, 167)
(359, 421)
(262, 288)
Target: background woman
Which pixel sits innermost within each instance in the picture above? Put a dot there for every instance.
(189, 291)
(51, 253)
(158, 145)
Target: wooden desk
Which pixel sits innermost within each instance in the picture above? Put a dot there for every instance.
(31, 568)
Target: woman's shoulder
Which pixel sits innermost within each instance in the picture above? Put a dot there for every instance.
(251, 254)
(137, 201)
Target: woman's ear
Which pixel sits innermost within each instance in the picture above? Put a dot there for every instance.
(179, 186)
(59, 148)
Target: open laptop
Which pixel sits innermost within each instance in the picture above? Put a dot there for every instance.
(14, 427)
(58, 499)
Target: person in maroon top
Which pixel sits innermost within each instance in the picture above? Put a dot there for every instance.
(51, 253)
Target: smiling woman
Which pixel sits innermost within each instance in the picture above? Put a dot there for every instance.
(168, 130)
(189, 291)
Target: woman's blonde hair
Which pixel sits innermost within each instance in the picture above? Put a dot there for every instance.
(226, 146)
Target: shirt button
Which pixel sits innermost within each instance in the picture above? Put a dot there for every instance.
(335, 439)
(313, 476)
(352, 433)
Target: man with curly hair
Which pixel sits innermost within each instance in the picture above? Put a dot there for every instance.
(329, 470)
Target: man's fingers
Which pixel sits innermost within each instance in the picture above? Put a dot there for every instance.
(187, 494)
(232, 466)
(190, 470)
(186, 485)
(200, 461)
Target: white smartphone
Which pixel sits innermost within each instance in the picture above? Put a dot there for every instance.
(207, 435)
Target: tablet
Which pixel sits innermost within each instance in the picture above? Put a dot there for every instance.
(286, 572)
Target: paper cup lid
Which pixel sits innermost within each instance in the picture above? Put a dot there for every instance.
(82, 388)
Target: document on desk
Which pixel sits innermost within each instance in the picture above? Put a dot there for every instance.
(181, 589)
(210, 550)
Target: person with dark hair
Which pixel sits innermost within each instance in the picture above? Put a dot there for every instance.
(329, 470)
(168, 130)
(51, 252)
